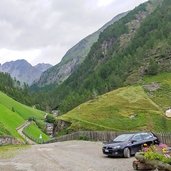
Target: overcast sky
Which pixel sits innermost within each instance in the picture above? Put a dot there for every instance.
(43, 30)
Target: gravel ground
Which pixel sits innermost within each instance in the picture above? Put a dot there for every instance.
(65, 156)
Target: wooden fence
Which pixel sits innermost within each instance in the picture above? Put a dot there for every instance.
(104, 136)
(164, 137)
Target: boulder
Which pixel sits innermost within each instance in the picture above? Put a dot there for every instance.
(168, 113)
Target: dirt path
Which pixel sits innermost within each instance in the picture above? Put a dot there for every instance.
(66, 156)
(20, 131)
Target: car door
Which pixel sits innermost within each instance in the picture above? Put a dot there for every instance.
(148, 138)
(137, 143)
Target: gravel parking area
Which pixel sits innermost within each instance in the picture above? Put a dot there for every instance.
(65, 156)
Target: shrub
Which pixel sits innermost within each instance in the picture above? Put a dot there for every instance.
(31, 118)
(50, 119)
(13, 110)
(153, 68)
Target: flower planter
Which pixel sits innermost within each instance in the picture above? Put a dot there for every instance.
(137, 165)
(150, 164)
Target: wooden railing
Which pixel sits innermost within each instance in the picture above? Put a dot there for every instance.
(104, 136)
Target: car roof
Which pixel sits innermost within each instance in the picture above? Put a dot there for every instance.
(137, 133)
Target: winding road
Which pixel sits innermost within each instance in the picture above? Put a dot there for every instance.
(21, 128)
(20, 131)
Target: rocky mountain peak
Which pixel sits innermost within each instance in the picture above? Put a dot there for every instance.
(23, 70)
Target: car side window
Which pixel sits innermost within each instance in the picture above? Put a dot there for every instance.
(146, 136)
(137, 137)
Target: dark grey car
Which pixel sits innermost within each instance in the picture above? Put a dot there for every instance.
(126, 145)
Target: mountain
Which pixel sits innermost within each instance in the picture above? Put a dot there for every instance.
(24, 71)
(42, 67)
(75, 56)
(131, 108)
(136, 45)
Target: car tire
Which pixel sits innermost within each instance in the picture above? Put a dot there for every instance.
(127, 153)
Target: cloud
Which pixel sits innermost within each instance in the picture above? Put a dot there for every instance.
(46, 29)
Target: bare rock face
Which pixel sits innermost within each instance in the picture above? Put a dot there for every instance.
(73, 58)
(59, 73)
(42, 67)
(60, 125)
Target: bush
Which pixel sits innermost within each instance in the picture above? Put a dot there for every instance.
(13, 110)
(153, 68)
(156, 156)
(160, 153)
(31, 118)
(50, 119)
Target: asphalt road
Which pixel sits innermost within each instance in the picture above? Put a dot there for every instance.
(65, 156)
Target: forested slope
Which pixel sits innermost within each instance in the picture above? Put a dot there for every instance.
(135, 46)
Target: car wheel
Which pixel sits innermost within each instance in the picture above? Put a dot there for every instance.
(127, 153)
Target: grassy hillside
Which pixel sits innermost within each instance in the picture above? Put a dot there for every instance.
(128, 108)
(10, 120)
(34, 132)
(161, 96)
(13, 114)
(24, 111)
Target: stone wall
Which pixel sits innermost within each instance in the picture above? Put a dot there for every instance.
(6, 140)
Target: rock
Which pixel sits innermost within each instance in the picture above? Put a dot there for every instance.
(60, 125)
(168, 113)
(7, 140)
(152, 87)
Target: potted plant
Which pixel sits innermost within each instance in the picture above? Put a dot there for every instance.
(153, 157)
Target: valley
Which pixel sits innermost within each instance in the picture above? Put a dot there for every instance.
(111, 88)
(115, 80)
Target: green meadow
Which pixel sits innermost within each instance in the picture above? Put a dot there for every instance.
(34, 132)
(24, 111)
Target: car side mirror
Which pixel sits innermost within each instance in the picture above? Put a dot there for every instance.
(133, 141)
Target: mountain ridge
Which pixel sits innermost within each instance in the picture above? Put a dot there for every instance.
(124, 53)
(23, 70)
(73, 57)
